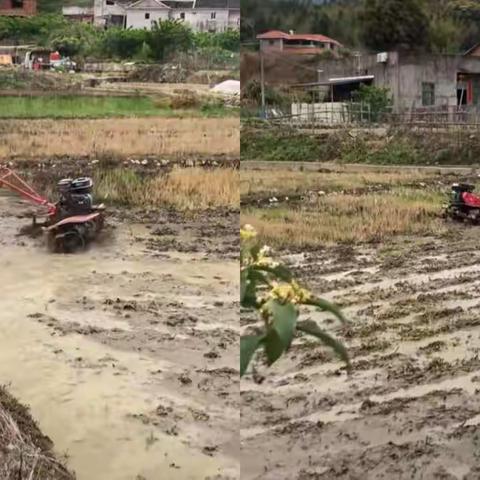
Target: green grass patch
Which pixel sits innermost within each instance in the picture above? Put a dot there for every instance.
(273, 146)
(399, 148)
(71, 106)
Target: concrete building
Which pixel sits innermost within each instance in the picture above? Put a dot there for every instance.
(276, 41)
(201, 15)
(78, 14)
(108, 13)
(18, 8)
(415, 81)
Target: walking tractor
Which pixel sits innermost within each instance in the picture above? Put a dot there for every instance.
(72, 222)
(464, 205)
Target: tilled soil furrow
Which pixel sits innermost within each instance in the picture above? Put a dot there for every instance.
(413, 398)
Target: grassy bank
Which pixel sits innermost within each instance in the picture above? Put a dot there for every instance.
(121, 138)
(315, 209)
(70, 107)
(264, 184)
(393, 148)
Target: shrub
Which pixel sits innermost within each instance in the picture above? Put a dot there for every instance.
(378, 99)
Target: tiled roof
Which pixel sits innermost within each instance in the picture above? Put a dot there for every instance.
(277, 34)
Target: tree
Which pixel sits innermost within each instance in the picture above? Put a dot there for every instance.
(169, 36)
(392, 24)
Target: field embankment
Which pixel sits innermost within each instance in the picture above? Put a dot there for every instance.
(385, 146)
(24, 451)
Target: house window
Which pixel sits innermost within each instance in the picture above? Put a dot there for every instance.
(182, 15)
(110, 2)
(213, 15)
(271, 42)
(147, 16)
(17, 4)
(428, 94)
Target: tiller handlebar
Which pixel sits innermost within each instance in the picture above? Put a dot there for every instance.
(10, 180)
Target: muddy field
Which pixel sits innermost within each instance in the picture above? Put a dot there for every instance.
(127, 354)
(410, 407)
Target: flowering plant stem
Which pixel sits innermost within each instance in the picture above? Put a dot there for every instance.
(269, 288)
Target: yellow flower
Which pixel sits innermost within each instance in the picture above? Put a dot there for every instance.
(266, 262)
(290, 292)
(247, 232)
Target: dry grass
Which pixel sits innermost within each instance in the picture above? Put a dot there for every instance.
(349, 218)
(121, 137)
(21, 456)
(288, 182)
(183, 189)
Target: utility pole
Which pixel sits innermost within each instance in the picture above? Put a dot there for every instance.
(262, 81)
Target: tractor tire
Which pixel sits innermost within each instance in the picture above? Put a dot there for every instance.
(72, 241)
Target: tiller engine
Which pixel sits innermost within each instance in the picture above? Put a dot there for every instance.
(72, 222)
(464, 205)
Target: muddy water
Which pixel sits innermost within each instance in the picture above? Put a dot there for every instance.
(82, 392)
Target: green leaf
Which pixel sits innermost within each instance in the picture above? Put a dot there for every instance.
(274, 346)
(327, 307)
(243, 284)
(248, 290)
(281, 331)
(257, 277)
(311, 328)
(254, 251)
(280, 272)
(284, 320)
(248, 346)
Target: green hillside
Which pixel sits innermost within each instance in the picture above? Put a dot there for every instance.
(444, 26)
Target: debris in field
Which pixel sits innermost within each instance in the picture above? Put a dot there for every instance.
(210, 450)
(185, 379)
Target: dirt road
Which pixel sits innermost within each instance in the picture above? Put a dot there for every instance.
(359, 168)
(410, 408)
(127, 354)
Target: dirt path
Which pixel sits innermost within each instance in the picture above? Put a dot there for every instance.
(127, 354)
(358, 168)
(410, 409)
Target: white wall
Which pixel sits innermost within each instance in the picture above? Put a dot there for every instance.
(271, 45)
(234, 19)
(327, 113)
(101, 10)
(136, 18)
(199, 19)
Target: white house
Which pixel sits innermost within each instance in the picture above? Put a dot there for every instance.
(201, 15)
(110, 12)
